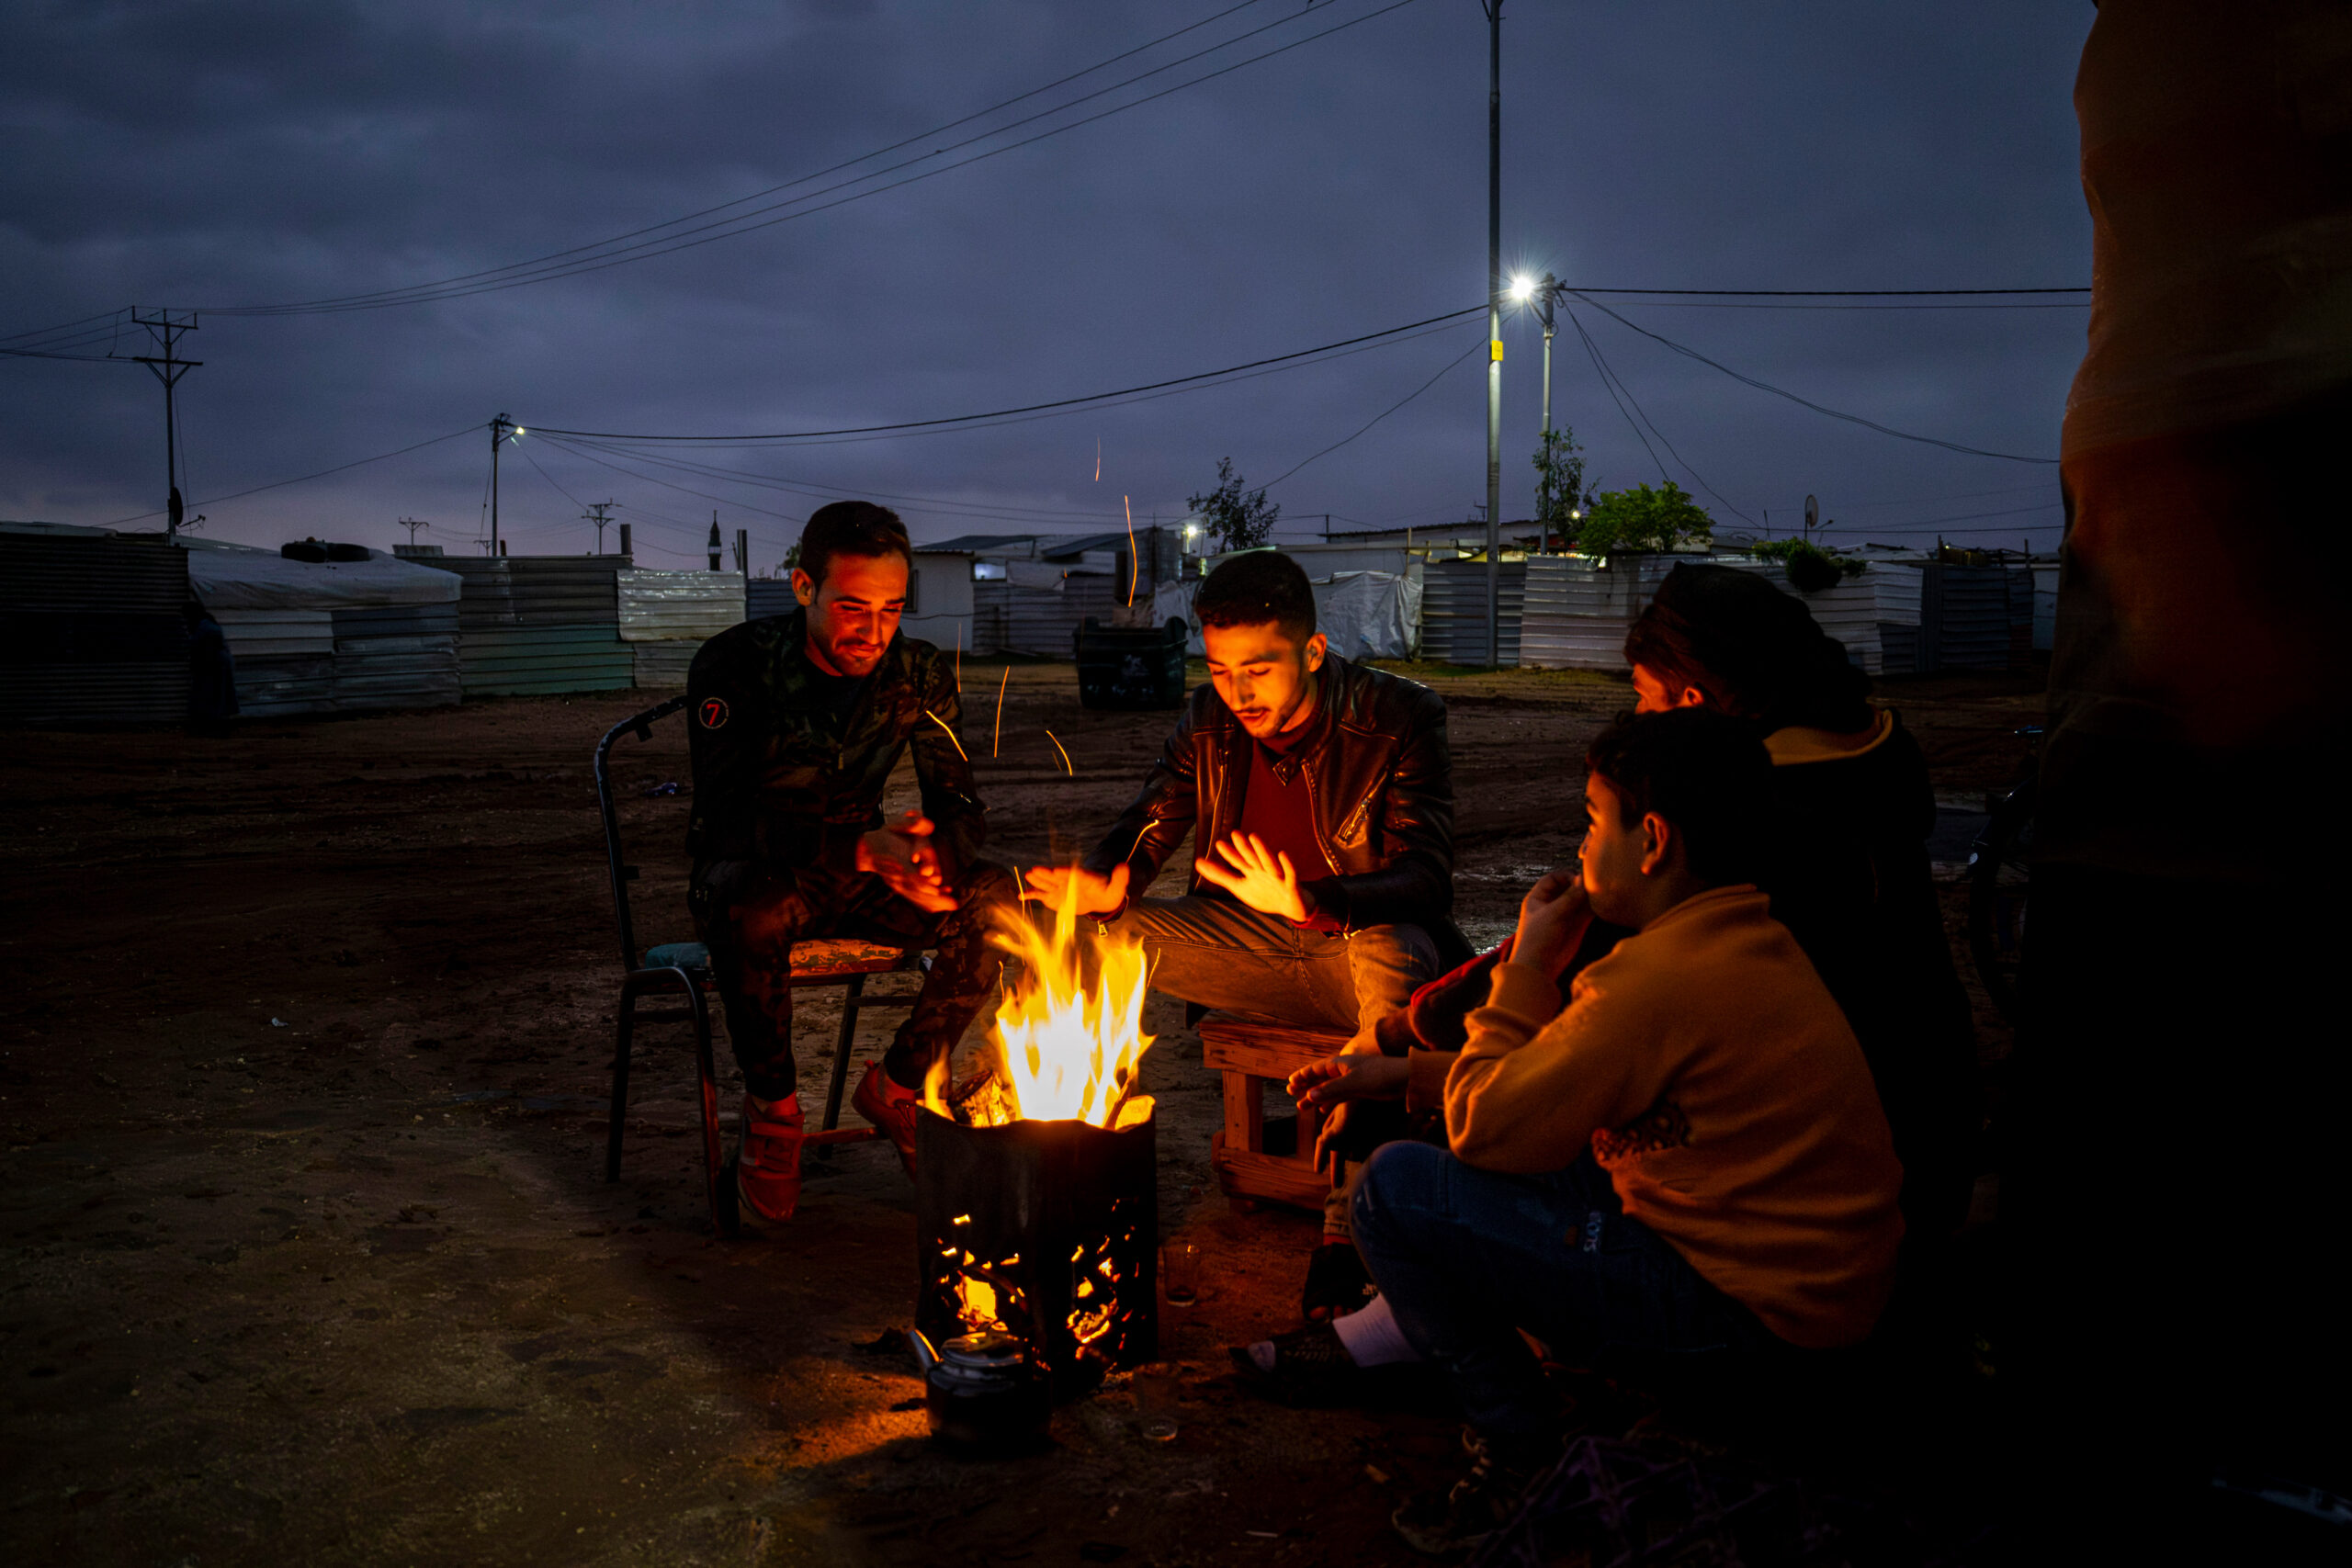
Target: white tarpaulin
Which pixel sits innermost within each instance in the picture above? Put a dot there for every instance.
(1364, 614)
(239, 577)
(1173, 601)
(1369, 614)
(1034, 574)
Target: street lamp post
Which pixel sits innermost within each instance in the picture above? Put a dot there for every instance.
(1540, 295)
(1494, 9)
(1545, 292)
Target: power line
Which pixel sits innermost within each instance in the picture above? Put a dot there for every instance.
(830, 492)
(322, 473)
(998, 413)
(1592, 351)
(1688, 353)
(789, 185)
(730, 228)
(1697, 478)
(1381, 414)
(1824, 293)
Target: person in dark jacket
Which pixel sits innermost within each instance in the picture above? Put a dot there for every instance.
(798, 721)
(1319, 796)
(1847, 868)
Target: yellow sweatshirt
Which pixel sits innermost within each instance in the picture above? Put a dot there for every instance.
(1718, 1083)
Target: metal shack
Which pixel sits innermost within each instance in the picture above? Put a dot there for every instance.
(537, 624)
(367, 631)
(1030, 593)
(666, 617)
(92, 628)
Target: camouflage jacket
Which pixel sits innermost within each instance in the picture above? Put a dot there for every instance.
(781, 781)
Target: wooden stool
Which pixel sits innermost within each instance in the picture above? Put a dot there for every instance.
(1250, 1050)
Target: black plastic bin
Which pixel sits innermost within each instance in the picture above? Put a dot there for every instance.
(1130, 667)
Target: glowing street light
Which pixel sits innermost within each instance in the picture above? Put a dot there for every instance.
(1522, 289)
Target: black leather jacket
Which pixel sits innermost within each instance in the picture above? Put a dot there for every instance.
(1377, 772)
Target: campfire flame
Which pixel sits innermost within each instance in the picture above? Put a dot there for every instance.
(1071, 1031)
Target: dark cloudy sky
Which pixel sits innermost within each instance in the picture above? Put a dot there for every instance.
(227, 154)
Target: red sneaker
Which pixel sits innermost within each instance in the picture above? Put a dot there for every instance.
(882, 1102)
(767, 1165)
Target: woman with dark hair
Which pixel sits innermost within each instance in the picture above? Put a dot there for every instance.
(1847, 868)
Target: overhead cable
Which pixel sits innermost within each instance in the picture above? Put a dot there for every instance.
(740, 223)
(789, 185)
(1697, 477)
(998, 413)
(1381, 414)
(1689, 353)
(322, 473)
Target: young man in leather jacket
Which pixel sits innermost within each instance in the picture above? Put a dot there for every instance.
(1319, 796)
(798, 721)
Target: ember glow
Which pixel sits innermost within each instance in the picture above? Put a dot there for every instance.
(1071, 1030)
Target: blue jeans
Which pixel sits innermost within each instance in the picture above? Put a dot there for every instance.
(1467, 1256)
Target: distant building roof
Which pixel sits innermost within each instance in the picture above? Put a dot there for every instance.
(1038, 547)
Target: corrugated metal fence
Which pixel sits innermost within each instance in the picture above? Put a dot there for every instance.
(666, 616)
(1454, 611)
(91, 631)
(530, 625)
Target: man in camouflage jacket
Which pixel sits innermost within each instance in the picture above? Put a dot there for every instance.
(797, 723)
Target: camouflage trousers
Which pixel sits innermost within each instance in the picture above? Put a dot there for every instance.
(750, 917)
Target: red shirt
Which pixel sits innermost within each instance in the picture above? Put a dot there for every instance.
(1276, 809)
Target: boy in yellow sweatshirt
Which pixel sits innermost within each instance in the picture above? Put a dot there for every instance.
(1690, 1159)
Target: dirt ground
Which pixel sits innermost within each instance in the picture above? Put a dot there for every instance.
(308, 1255)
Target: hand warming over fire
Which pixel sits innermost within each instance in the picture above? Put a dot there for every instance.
(1093, 893)
(1260, 877)
(1359, 1072)
(902, 855)
(1350, 1075)
(1552, 922)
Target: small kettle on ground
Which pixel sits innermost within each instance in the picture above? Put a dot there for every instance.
(982, 1393)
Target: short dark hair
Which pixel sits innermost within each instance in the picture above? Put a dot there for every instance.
(1252, 588)
(1756, 652)
(851, 529)
(1704, 772)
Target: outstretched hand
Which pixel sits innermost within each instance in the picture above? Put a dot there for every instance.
(903, 856)
(1359, 1072)
(1261, 878)
(1093, 893)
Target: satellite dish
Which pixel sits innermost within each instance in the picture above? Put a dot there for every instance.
(1812, 514)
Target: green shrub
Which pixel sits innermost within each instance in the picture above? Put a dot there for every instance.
(1627, 522)
(1810, 568)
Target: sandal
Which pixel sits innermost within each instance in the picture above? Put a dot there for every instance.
(1337, 1283)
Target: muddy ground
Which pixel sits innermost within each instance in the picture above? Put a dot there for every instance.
(303, 1050)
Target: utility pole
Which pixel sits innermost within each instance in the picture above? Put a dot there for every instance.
(596, 514)
(168, 369)
(743, 552)
(413, 524)
(500, 429)
(1545, 293)
(1494, 9)
(715, 546)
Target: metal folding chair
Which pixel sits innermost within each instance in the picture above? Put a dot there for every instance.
(682, 969)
